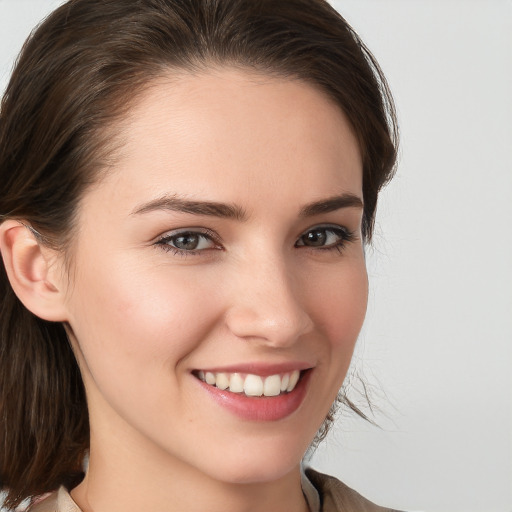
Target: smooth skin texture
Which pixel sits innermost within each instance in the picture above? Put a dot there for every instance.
(143, 316)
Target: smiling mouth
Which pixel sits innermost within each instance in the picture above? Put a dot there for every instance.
(250, 384)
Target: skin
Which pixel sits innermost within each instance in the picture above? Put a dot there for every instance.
(142, 318)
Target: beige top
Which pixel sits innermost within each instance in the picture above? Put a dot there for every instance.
(323, 493)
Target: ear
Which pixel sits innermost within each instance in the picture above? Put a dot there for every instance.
(34, 271)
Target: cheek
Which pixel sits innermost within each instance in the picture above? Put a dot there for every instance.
(133, 321)
(339, 305)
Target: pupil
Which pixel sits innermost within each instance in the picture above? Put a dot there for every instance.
(188, 241)
(315, 238)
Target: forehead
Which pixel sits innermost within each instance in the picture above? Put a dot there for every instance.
(227, 132)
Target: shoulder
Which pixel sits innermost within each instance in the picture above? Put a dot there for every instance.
(57, 501)
(335, 496)
(47, 504)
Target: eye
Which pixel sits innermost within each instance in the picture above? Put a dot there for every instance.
(187, 242)
(325, 237)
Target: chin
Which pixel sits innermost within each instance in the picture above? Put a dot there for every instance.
(257, 465)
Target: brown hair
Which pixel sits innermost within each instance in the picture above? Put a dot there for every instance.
(77, 73)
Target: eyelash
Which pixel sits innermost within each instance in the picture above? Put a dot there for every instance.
(344, 235)
(207, 234)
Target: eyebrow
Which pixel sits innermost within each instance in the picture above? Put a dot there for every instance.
(331, 204)
(178, 204)
(236, 212)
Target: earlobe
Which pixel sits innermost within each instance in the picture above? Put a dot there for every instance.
(32, 271)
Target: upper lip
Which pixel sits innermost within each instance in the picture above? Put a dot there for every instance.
(261, 369)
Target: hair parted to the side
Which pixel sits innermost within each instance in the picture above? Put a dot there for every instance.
(80, 71)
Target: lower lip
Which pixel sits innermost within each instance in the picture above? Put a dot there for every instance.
(261, 408)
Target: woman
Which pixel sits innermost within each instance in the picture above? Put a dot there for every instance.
(187, 188)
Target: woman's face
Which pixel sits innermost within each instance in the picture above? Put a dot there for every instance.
(222, 249)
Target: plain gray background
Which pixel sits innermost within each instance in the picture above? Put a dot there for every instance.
(436, 349)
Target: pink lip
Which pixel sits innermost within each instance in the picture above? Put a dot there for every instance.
(260, 408)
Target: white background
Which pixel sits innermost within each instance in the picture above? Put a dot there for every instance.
(436, 349)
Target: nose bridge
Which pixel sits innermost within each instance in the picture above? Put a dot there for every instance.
(265, 304)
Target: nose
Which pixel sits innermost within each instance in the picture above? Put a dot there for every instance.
(265, 305)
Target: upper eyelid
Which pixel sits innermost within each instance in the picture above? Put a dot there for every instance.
(327, 226)
(213, 234)
(196, 230)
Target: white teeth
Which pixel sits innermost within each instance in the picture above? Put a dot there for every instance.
(236, 383)
(252, 385)
(272, 386)
(294, 378)
(222, 381)
(284, 382)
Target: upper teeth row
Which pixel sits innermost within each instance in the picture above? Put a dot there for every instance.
(252, 385)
